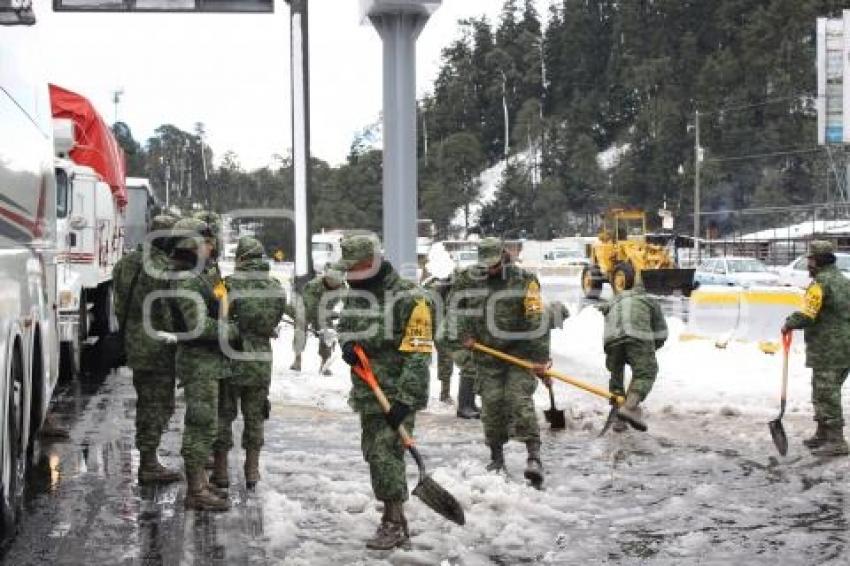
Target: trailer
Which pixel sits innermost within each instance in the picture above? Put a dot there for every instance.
(28, 324)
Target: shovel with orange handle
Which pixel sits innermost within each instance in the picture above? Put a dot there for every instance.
(777, 431)
(430, 492)
(616, 400)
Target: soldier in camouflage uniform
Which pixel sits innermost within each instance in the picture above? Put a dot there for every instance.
(497, 290)
(199, 363)
(439, 289)
(634, 329)
(825, 321)
(213, 221)
(150, 358)
(256, 317)
(394, 326)
(319, 295)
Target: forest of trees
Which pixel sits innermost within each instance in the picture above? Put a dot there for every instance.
(623, 78)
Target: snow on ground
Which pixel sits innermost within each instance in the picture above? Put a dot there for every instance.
(703, 486)
(694, 375)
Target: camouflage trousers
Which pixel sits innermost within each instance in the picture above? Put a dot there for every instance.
(383, 451)
(299, 342)
(201, 421)
(638, 355)
(445, 364)
(253, 401)
(826, 395)
(154, 407)
(507, 403)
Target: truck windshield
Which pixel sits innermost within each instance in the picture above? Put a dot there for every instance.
(63, 194)
(16, 12)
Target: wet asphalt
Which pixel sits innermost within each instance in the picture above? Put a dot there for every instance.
(700, 488)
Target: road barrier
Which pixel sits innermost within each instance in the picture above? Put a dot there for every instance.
(741, 314)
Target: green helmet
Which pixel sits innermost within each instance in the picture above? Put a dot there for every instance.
(212, 219)
(820, 247)
(249, 248)
(490, 251)
(190, 230)
(162, 222)
(358, 248)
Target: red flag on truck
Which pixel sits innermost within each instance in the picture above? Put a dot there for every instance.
(95, 146)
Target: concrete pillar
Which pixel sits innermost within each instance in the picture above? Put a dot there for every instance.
(399, 23)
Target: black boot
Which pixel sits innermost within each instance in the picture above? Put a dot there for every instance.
(630, 408)
(817, 440)
(466, 408)
(392, 532)
(833, 444)
(534, 466)
(497, 458)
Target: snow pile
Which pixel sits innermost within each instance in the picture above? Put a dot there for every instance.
(694, 376)
(611, 157)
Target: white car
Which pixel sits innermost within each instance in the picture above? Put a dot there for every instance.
(465, 258)
(796, 273)
(562, 257)
(735, 271)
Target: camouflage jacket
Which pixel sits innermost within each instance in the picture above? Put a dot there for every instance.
(825, 320)
(439, 290)
(392, 319)
(310, 303)
(634, 315)
(504, 312)
(144, 352)
(198, 312)
(256, 318)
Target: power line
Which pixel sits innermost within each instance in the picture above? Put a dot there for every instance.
(767, 102)
(764, 155)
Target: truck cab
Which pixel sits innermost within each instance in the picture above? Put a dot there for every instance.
(90, 229)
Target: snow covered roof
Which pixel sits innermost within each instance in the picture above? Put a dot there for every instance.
(801, 230)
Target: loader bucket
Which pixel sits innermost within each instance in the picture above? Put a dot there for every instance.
(668, 281)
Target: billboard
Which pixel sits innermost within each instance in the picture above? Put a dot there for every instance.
(833, 62)
(209, 6)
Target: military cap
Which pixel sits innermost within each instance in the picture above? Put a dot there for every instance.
(490, 251)
(213, 219)
(249, 247)
(820, 247)
(185, 227)
(162, 222)
(358, 248)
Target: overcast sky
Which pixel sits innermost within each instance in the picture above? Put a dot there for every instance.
(232, 71)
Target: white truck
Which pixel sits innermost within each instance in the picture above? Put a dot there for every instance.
(28, 326)
(90, 225)
(140, 206)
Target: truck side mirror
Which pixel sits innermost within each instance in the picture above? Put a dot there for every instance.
(72, 240)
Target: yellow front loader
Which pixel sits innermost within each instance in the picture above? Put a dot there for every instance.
(622, 253)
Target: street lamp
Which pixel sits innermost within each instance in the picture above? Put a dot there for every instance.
(399, 23)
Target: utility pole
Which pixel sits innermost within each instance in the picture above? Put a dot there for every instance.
(300, 91)
(697, 166)
(116, 100)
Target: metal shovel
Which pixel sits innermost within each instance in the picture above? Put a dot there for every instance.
(777, 431)
(554, 416)
(427, 490)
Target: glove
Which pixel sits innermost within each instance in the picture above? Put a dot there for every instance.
(348, 354)
(659, 344)
(398, 412)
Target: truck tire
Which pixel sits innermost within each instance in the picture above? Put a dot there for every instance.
(623, 277)
(69, 360)
(13, 463)
(592, 281)
(105, 320)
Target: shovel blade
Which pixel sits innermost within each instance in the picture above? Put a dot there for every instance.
(556, 419)
(777, 432)
(437, 498)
